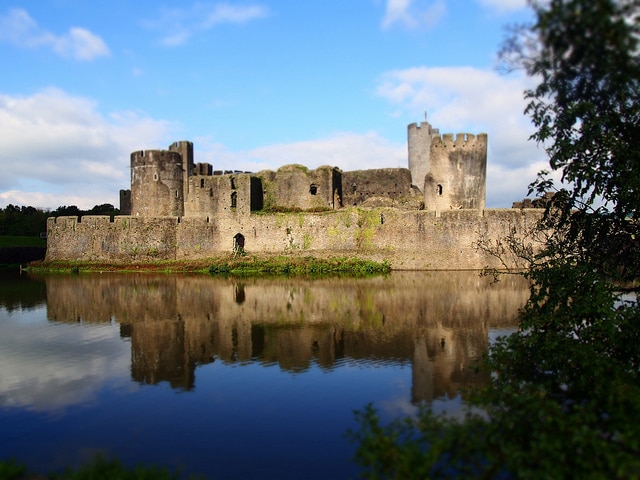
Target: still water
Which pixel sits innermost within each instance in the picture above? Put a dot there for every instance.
(229, 378)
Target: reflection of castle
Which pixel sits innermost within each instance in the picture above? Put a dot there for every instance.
(443, 173)
(437, 323)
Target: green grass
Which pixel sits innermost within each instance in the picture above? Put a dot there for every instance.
(228, 265)
(297, 266)
(17, 241)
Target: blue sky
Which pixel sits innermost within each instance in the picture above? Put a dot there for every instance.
(255, 85)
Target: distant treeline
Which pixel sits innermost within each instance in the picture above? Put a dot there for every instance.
(31, 221)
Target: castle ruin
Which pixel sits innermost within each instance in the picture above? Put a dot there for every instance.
(443, 174)
(427, 216)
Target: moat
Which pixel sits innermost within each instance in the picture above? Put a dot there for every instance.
(233, 378)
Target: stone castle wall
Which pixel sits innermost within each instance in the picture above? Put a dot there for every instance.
(297, 187)
(360, 185)
(408, 239)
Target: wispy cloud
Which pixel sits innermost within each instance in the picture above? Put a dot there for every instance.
(17, 27)
(413, 13)
(183, 23)
(67, 148)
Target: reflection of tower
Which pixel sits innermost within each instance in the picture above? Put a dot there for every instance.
(157, 183)
(159, 353)
(421, 373)
(451, 173)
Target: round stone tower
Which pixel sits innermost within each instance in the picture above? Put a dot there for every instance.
(457, 175)
(157, 185)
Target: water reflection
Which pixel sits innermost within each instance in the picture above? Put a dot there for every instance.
(256, 378)
(436, 322)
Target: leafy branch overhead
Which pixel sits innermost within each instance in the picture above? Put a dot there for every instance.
(564, 396)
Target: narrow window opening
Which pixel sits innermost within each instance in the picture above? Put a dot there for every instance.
(202, 183)
(439, 189)
(313, 189)
(211, 192)
(234, 199)
(233, 183)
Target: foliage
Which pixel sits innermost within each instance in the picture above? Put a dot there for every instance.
(11, 470)
(97, 469)
(31, 221)
(564, 396)
(587, 116)
(23, 221)
(22, 241)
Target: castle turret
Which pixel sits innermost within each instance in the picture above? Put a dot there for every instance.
(185, 149)
(157, 183)
(419, 143)
(458, 172)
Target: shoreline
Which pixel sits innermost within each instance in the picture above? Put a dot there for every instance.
(241, 265)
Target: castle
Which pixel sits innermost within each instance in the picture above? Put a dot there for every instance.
(445, 173)
(427, 216)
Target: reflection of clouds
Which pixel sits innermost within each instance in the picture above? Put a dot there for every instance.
(401, 407)
(47, 368)
(398, 406)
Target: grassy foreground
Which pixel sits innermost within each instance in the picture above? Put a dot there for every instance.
(239, 265)
(97, 469)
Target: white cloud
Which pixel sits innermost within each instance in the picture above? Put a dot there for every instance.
(184, 23)
(465, 99)
(19, 28)
(413, 13)
(347, 150)
(63, 148)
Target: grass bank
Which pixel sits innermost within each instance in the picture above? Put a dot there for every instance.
(238, 265)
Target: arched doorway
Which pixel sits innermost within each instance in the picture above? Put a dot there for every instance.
(238, 244)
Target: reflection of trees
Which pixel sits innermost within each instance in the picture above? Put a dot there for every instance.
(18, 291)
(438, 322)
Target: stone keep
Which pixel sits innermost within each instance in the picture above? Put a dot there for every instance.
(157, 187)
(159, 180)
(451, 172)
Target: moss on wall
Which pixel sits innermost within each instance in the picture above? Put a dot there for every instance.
(406, 239)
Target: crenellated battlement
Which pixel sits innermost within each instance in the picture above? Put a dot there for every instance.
(156, 158)
(422, 128)
(449, 169)
(460, 140)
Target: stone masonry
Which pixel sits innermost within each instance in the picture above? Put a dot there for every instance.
(428, 216)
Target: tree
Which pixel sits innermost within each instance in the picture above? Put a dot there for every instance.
(587, 115)
(564, 395)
